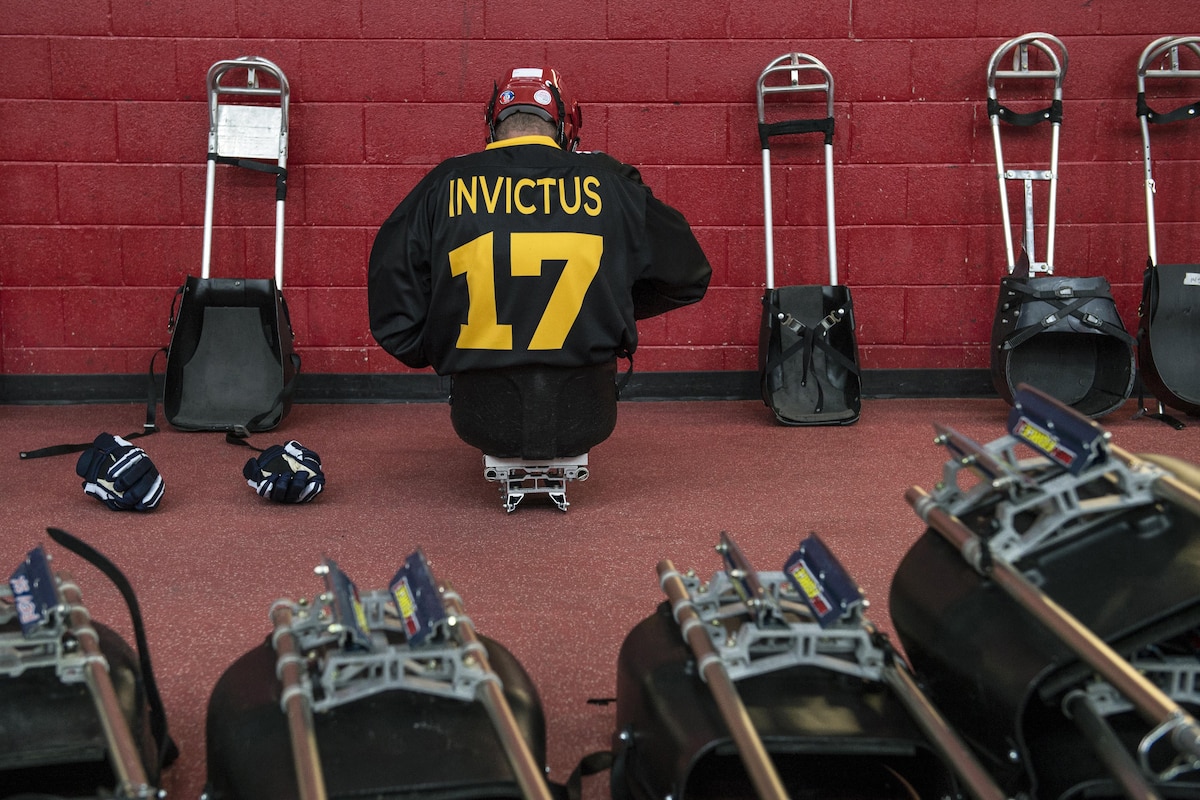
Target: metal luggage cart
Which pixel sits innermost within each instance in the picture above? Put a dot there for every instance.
(1169, 314)
(231, 362)
(807, 350)
(1062, 335)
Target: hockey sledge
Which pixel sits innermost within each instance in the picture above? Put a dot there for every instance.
(1169, 314)
(1051, 607)
(535, 425)
(807, 351)
(230, 362)
(389, 694)
(774, 684)
(1062, 335)
(79, 712)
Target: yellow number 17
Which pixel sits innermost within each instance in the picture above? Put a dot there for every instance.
(476, 260)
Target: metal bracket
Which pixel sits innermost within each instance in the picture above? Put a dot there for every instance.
(518, 478)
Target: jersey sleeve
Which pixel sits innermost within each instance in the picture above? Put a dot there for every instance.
(679, 272)
(399, 282)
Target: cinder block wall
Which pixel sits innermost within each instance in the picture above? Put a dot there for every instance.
(103, 128)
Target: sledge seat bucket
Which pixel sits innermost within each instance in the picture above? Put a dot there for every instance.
(1058, 637)
(1169, 314)
(76, 714)
(770, 685)
(1081, 356)
(231, 360)
(1062, 335)
(807, 350)
(535, 412)
(535, 424)
(387, 695)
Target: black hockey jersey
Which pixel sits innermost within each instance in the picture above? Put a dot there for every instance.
(527, 254)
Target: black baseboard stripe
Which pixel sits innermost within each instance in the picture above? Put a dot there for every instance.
(429, 388)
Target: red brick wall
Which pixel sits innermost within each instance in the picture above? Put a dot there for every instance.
(103, 139)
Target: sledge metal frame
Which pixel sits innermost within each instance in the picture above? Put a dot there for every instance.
(1019, 47)
(743, 623)
(321, 667)
(797, 66)
(518, 478)
(1166, 47)
(993, 557)
(66, 641)
(250, 135)
(1059, 502)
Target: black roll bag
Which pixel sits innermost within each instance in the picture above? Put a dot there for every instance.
(1051, 607)
(386, 695)
(80, 714)
(770, 685)
(807, 349)
(1060, 334)
(1169, 314)
(231, 361)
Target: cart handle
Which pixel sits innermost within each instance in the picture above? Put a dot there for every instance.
(817, 78)
(253, 65)
(793, 64)
(1057, 55)
(1163, 47)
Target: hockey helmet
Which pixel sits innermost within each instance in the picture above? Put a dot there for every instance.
(535, 90)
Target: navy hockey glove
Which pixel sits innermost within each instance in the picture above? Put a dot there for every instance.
(120, 475)
(289, 473)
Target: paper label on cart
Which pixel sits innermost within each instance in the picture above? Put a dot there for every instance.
(249, 131)
(1191, 279)
(1044, 442)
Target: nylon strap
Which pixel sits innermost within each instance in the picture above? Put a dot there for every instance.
(1052, 113)
(1191, 111)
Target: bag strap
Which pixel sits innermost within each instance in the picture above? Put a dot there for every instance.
(148, 427)
(1074, 308)
(167, 750)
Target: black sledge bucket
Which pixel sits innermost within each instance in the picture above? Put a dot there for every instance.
(807, 350)
(536, 411)
(80, 714)
(772, 685)
(389, 695)
(1064, 336)
(231, 362)
(1059, 638)
(1061, 335)
(1169, 314)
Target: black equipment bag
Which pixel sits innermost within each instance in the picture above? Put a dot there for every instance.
(828, 734)
(230, 362)
(1064, 336)
(1169, 314)
(807, 351)
(386, 746)
(1169, 334)
(1001, 677)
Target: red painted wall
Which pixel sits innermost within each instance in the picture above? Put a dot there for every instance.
(103, 129)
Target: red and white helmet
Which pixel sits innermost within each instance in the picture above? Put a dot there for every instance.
(535, 90)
